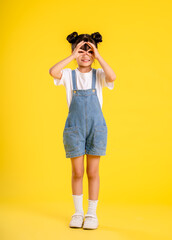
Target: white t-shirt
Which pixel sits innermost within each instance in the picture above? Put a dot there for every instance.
(83, 81)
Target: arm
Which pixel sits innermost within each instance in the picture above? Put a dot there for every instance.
(55, 71)
(109, 73)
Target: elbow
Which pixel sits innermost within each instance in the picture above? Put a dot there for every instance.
(113, 78)
(50, 71)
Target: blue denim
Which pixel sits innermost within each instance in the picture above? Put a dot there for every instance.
(85, 130)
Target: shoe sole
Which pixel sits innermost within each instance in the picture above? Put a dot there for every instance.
(89, 228)
(76, 226)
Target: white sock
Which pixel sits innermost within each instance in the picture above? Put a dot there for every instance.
(78, 202)
(92, 205)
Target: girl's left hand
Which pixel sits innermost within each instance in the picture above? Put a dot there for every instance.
(96, 53)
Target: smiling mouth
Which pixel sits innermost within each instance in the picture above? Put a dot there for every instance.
(85, 60)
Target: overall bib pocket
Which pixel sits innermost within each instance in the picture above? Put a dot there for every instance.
(71, 138)
(100, 137)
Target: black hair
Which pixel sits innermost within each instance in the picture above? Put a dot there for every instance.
(74, 39)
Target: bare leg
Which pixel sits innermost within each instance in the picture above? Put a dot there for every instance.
(93, 176)
(77, 174)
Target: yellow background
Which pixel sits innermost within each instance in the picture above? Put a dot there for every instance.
(137, 168)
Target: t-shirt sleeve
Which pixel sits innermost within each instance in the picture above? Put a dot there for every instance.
(61, 81)
(104, 83)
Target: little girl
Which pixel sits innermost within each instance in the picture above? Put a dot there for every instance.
(85, 130)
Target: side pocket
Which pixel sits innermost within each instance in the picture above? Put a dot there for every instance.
(100, 137)
(71, 138)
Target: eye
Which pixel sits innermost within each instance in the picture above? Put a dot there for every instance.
(91, 52)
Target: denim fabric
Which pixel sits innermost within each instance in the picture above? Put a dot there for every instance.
(85, 130)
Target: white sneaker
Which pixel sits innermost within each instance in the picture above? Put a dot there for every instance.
(77, 220)
(91, 222)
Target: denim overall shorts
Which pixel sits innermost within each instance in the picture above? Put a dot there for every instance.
(85, 130)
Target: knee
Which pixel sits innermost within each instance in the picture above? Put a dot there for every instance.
(92, 173)
(78, 174)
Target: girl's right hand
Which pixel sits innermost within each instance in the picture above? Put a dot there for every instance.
(77, 51)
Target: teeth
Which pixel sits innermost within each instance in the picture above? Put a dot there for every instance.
(85, 60)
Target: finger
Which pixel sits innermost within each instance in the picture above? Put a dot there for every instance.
(79, 44)
(90, 44)
(89, 51)
(89, 55)
(81, 51)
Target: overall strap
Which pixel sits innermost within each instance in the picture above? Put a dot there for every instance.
(74, 80)
(94, 79)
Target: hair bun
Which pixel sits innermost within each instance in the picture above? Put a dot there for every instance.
(72, 37)
(97, 37)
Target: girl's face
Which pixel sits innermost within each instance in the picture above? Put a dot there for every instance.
(86, 56)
